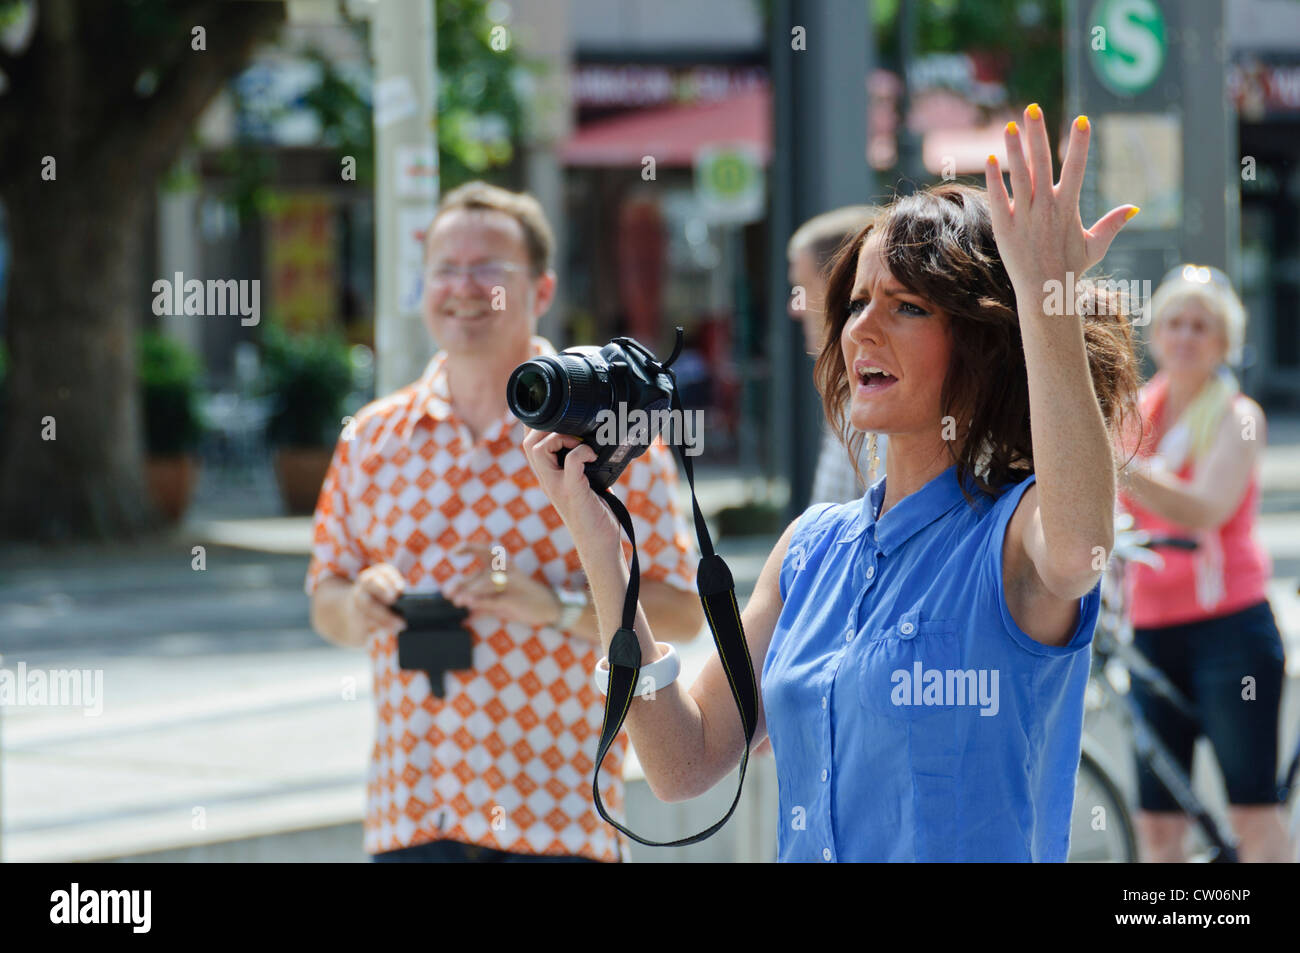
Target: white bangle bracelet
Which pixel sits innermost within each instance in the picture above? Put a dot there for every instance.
(660, 673)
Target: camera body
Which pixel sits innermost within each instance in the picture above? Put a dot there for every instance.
(589, 393)
(435, 639)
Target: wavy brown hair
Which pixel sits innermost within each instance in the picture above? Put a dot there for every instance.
(939, 244)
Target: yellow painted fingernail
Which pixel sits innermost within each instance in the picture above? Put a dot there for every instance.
(1012, 128)
(1131, 212)
(993, 160)
(1082, 123)
(1034, 112)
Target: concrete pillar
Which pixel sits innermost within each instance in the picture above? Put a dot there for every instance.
(819, 96)
(402, 40)
(542, 29)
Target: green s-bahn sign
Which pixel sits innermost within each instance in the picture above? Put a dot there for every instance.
(1127, 44)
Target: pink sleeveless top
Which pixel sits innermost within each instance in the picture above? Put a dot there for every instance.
(1228, 572)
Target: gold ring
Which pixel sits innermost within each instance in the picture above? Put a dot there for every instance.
(499, 580)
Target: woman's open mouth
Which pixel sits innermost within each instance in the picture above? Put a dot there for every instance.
(873, 380)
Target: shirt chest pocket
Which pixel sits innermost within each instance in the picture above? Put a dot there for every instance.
(904, 676)
(903, 671)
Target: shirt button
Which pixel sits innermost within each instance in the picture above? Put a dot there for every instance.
(871, 572)
(826, 853)
(823, 701)
(906, 628)
(848, 636)
(824, 774)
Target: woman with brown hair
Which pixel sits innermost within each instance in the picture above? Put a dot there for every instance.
(924, 650)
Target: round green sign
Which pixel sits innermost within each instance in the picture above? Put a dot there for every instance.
(728, 175)
(1127, 44)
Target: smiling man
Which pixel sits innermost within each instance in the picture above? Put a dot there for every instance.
(433, 494)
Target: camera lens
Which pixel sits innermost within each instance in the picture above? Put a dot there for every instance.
(531, 390)
(561, 393)
(586, 398)
(537, 393)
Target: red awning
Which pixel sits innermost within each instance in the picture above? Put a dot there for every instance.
(673, 134)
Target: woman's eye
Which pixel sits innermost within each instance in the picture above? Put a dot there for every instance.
(856, 307)
(908, 308)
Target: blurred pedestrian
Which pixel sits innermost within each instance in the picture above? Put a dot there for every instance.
(430, 492)
(1204, 617)
(923, 650)
(810, 252)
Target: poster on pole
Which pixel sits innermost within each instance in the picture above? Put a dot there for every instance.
(1140, 163)
(415, 172)
(394, 101)
(412, 224)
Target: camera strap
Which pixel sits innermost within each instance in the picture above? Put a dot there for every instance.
(718, 596)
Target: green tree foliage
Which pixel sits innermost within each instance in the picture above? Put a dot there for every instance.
(479, 109)
(344, 116)
(1025, 37)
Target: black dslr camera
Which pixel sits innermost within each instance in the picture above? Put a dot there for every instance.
(577, 392)
(589, 392)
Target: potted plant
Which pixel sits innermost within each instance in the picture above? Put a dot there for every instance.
(169, 385)
(307, 378)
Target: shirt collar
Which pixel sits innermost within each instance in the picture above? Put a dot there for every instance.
(433, 391)
(910, 515)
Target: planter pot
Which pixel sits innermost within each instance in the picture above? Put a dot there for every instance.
(171, 480)
(300, 471)
(749, 519)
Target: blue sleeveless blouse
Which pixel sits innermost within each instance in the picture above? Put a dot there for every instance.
(911, 717)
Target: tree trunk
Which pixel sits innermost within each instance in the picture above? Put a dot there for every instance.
(75, 293)
(72, 370)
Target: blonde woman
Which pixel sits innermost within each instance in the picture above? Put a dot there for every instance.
(1204, 618)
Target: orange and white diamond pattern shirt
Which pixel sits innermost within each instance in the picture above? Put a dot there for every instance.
(506, 759)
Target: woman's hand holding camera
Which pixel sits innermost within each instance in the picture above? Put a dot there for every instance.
(591, 523)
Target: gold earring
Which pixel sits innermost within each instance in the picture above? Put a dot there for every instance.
(873, 460)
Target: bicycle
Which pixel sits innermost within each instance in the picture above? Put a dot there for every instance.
(1102, 828)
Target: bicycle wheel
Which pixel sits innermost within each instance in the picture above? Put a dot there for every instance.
(1289, 782)
(1101, 829)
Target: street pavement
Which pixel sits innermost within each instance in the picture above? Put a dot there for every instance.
(226, 722)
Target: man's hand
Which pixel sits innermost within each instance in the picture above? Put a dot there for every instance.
(519, 598)
(374, 591)
(347, 612)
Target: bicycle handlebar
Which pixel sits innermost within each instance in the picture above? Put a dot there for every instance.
(1171, 542)
(1136, 545)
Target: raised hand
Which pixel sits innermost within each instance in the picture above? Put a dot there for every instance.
(1039, 233)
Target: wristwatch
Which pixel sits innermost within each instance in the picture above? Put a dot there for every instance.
(572, 602)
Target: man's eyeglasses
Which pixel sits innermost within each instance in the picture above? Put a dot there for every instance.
(485, 274)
